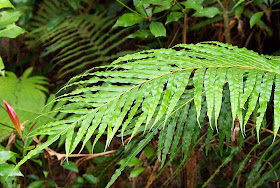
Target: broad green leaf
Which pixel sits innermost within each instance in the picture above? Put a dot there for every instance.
(208, 12)
(70, 166)
(157, 29)
(143, 34)
(255, 18)
(8, 17)
(193, 4)
(136, 172)
(11, 31)
(174, 16)
(8, 170)
(5, 156)
(6, 4)
(149, 152)
(90, 178)
(128, 19)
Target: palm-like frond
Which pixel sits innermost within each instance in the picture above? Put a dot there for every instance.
(76, 41)
(140, 92)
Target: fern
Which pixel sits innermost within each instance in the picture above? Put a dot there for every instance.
(76, 41)
(143, 91)
(28, 97)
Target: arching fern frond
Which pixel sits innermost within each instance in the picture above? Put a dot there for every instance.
(75, 41)
(144, 91)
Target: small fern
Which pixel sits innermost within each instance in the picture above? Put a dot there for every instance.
(150, 91)
(76, 41)
(28, 97)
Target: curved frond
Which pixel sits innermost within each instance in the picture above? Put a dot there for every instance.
(75, 41)
(144, 91)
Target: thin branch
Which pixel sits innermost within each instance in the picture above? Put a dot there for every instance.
(173, 39)
(185, 28)
(62, 156)
(129, 8)
(264, 129)
(221, 5)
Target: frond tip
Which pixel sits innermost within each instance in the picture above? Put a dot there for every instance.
(142, 91)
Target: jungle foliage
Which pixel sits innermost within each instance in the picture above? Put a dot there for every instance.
(140, 93)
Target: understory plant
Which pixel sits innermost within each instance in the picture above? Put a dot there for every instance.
(171, 92)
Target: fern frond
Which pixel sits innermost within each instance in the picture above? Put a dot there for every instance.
(28, 97)
(77, 43)
(143, 91)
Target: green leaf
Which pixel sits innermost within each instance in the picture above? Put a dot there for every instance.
(264, 98)
(149, 152)
(128, 19)
(90, 178)
(8, 17)
(198, 80)
(235, 80)
(143, 34)
(2, 71)
(219, 84)
(209, 82)
(6, 4)
(11, 31)
(136, 172)
(253, 99)
(174, 16)
(208, 12)
(70, 166)
(238, 11)
(276, 122)
(35, 184)
(8, 170)
(5, 156)
(159, 6)
(193, 4)
(255, 18)
(140, 7)
(157, 29)
(133, 162)
(237, 4)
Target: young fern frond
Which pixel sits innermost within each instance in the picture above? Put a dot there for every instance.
(76, 41)
(143, 92)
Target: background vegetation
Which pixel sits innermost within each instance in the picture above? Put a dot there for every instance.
(85, 106)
